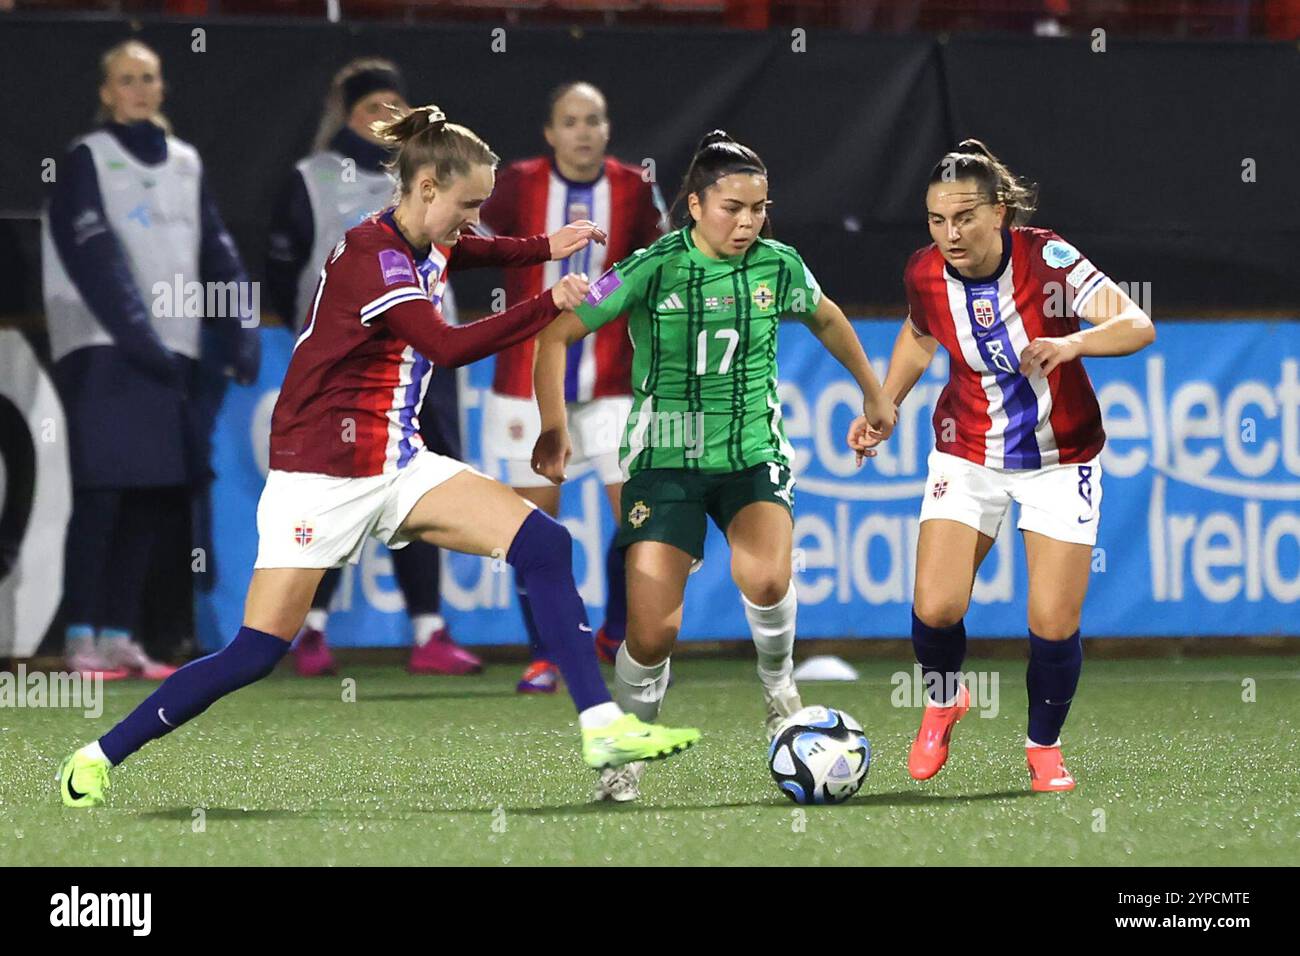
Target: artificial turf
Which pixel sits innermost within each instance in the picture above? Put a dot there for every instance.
(1174, 767)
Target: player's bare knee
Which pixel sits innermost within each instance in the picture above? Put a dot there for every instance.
(1054, 624)
(650, 645)
(762, 584)
(939, 611)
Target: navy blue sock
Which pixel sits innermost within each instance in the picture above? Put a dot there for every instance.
(940, 652)
(193, 689)
(1051, 679)
(542, 556)
(418, 572)
(616, 582)
(530, 626)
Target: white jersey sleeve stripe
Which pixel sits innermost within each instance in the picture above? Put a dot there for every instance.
(1098, 282)
(373, 309)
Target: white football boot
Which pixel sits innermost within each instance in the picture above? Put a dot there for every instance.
(620, 784)
(782, 701)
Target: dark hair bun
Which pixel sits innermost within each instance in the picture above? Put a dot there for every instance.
(716, 136)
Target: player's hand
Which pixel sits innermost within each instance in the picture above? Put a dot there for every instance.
(1042, 356)
(570, 291)
(863, 439)
(881, 414)
(551, 454)
(577, 235)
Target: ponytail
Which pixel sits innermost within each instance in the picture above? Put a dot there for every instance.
(996, 183)
(422, 137)
(716, 156)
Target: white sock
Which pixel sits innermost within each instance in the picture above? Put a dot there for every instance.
(94, 752)
(1030, 745)
(637, 688)
(773, 631)
(425, 626)
(599, 716)
(317, 618)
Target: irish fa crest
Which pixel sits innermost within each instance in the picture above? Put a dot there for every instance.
(763, 297)
(638, 515)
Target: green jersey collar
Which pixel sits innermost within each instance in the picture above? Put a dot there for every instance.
(700, 258)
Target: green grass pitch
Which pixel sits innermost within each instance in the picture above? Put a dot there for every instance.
(1174, 767)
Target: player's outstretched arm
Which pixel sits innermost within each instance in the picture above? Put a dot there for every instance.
(833, 328)
(912, 353)
(552, 451)
(510, 252)
(419, 322)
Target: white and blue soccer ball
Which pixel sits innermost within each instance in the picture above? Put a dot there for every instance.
(819, 755)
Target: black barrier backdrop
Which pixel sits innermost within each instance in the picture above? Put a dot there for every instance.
(1139, 149)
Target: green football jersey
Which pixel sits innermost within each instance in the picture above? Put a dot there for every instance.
(703, 332)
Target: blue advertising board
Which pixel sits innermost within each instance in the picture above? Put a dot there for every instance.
(1199, 532)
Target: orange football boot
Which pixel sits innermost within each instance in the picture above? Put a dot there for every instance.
(930, 748)
(1047, 769)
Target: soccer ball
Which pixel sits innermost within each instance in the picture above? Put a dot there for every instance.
(819, 755)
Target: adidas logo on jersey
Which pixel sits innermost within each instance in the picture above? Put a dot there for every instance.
(674, 301)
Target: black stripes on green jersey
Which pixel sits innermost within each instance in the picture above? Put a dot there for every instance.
(704, 336)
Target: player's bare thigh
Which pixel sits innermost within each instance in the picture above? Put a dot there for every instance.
(948, 553)
(656, 586)
(469, 513)
(1058, 583)
(546, 497)
(761, 536)
(279, 598)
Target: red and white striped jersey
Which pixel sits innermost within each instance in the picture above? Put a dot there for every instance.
(988, 412)
(350, 399)
(532, 197)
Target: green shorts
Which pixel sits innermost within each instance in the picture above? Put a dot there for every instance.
(670, 504)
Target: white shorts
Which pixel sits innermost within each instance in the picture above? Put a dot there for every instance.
(511, 427)
(319, 521)
(1060, 501)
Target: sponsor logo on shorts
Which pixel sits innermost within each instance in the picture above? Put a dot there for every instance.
(639, 514)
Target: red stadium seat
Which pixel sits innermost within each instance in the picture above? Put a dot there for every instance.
(599, 6)
(689, 6)
(505, 6)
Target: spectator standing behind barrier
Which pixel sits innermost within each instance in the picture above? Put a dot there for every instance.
(129, 228)
(341, 183)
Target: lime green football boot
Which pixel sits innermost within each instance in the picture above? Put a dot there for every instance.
(83, 780)
(629, 739)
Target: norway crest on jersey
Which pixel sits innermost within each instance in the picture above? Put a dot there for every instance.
(984, 313)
